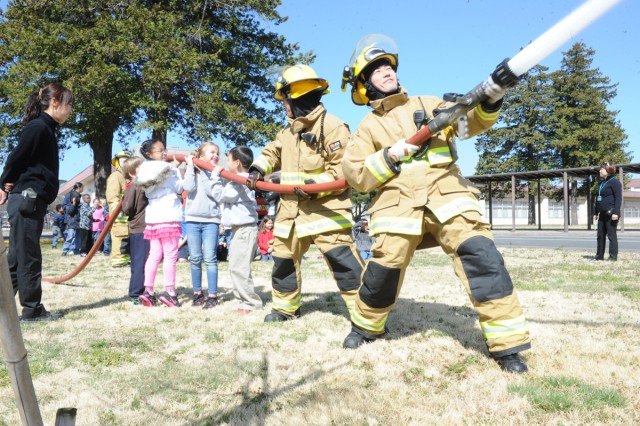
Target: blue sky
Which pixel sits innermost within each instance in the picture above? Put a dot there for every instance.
(447, 46)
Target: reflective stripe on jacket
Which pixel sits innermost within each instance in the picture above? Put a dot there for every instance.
(298, 161)
(433, 180)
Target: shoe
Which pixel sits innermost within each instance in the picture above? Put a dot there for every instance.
(43, 316)
(120, 265)
(355, 340)
(148, 299)
(83, 254)
(135, 301)
(211, 302)
(597, 258)
(198, 300)
(512, 364)
(277, 316)
(169, 300)
(64, 253)
(242, 311)
(612, 259)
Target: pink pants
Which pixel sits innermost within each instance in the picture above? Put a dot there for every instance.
(166, 248)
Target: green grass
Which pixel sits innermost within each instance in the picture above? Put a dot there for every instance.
(553, 394)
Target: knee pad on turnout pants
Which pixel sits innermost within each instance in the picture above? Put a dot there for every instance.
(283, 275)
(379, 285)
(484, 268)
(345, 266)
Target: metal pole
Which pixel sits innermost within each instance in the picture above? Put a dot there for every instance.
(490, 206)
(565, 192)
(539, 207)
(513, 203)
(622, 205)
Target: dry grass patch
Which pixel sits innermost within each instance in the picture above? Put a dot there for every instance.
(121, 364)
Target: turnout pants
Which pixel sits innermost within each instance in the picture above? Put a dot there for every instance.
(476, 261)
(119, 231)
(340, 255)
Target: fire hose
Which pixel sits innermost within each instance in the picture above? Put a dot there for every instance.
(506, 74)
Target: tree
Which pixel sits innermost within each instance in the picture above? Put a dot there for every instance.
(520, 140)
(585, 131)
(198, 67)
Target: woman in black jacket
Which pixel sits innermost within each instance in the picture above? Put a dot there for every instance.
(607, 211)
(30, 182)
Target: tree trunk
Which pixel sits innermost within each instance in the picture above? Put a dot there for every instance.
(102, 145)
(532, 207)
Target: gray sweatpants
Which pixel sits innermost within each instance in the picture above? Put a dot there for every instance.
(241, 253)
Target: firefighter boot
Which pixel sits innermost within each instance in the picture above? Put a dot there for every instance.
(512, 364)
(277, 316)
(354, 340)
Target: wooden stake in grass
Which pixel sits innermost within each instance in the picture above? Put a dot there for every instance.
(13, 346)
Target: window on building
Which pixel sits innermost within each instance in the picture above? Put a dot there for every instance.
(630, 212)
(556, 210)
(502, 209)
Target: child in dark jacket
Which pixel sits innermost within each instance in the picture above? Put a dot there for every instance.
(134, 202)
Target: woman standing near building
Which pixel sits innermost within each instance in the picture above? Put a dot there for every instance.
(607, 211)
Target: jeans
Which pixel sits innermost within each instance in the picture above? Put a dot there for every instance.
(106, 244)
(139, 253)
(70, 242)
(56, 234)
(203, 243)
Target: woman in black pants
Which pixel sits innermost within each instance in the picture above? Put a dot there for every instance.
(607, 211)
(30, 182)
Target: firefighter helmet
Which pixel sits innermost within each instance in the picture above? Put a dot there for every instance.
(299, 79)
(370, 49)
(122, 154)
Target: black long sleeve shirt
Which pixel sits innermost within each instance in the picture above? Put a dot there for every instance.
(34, 161)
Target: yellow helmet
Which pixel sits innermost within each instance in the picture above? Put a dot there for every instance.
(371, 48)
(300, 79)
(122, 154)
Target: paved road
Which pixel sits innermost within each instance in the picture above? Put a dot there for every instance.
(578, 240)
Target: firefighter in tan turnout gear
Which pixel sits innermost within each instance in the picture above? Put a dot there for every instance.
(423, 201)
(308, 150)
(116, 183)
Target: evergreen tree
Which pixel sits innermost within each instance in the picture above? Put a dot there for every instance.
(586, 133)
(520, 140)
(198, 67)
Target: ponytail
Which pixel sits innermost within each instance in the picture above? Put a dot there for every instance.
(39, 100)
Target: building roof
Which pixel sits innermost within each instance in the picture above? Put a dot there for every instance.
(582, 172)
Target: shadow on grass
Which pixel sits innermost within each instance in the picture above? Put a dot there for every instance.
(98, 304)
(254, 407)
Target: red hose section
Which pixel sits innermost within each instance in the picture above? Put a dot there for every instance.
(421, 137)
(417, 139)
(268, 186)
(113, 215)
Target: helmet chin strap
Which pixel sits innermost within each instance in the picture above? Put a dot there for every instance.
(373, 93)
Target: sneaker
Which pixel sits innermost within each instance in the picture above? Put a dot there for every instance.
(355, 340)
(198, 299)
(148, 299)
(277, 316)
(135, 300)
(169, 300)
(211, 302)
(241, 311)
(512, 363)
(43, 316)
(64, 253)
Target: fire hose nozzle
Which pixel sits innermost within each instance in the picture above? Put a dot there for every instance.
(503, 75)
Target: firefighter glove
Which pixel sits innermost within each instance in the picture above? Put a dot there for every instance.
(254, 176)
(303, 196)
(493, 91)
(402, 150)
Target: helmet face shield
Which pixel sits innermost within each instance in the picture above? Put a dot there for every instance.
(369, 49)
